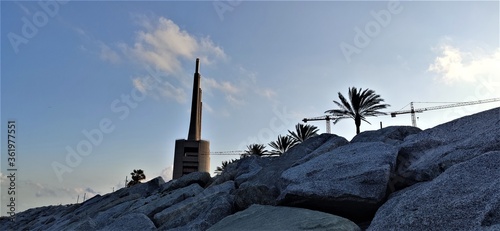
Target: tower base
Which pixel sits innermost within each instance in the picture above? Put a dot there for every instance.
(191, 156)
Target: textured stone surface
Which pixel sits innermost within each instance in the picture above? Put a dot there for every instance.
(263, 217)
(198, 212)
(132, 221)
(443, 178)
(465, 197)
(424, 156)
(200, 178)
(350, 181)
(391, 135)
(262, 185)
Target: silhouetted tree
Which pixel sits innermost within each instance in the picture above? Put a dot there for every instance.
(219, 169)
(361, 104)
(282, 144)
(303, 132)
(137, 176)
(255, 149)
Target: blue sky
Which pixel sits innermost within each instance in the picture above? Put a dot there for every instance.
(125, 69)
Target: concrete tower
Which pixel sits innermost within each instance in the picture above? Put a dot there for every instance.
(193, 154)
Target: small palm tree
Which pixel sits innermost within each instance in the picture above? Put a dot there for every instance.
(303, 132)
(137, 176)
(361, 104)
(219, 169)
(255, 149)
(283, 144)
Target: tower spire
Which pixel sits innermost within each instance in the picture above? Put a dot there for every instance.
(195, 121)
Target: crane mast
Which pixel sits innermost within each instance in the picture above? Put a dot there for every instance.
(327, 118)
(413, 111)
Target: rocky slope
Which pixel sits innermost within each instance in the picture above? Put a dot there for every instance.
(396, 178)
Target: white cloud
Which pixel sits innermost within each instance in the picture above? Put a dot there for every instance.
(107, 54)
(224, 86)
(162, 88)
(2, 178)
(455, 65)
(164, 45)
(267, 93)
(167, 173)
(208, 108)
(234, 101)
(45, 191)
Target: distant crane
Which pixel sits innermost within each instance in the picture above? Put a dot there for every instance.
(327, 118)
(413, 110)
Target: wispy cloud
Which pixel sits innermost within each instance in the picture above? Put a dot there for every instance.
(44, 191)
(224, 86)
(163, 44)
(107, 54)
(235, 102)
(456, 65)
(166, 173)
(158, 88)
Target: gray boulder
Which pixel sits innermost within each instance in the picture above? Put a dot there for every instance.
(154, 204)
(261, 185)
(133, 221)
(263, 217)
(198, 212)
(200, 178)
(391, 135)
(465, 197)
(424, 156)
(349, 181)
(145, 189)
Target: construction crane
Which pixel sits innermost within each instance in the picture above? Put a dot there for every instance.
(226, 153)
(327, 118)
(413, 110)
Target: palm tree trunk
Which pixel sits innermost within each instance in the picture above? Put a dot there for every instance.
(357, 121)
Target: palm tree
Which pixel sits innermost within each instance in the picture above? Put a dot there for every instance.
(255, 149)
(219, 169)
(303, 132)
(137, 176)
(283, 144)
(361, 104)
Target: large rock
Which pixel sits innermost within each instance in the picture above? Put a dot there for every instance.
(198, 212)
(465, 197)
(260, 185)
(132, 221)
(424, 156)
(350, 181)
(262, 217)
(391, 135)
(154, 204)
(145, 189)
(200, 178)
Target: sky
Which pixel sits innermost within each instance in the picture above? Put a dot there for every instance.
(97, 89)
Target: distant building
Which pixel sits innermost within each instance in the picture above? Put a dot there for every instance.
(193, 154)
